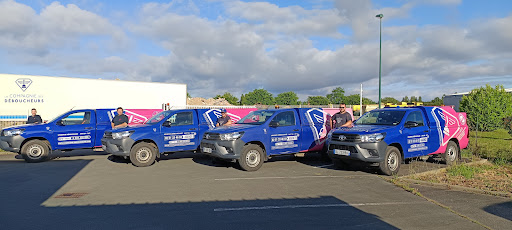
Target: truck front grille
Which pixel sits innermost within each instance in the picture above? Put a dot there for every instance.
(211, 136)
(347, 137)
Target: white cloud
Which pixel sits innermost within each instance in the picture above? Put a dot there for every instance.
(261, 45)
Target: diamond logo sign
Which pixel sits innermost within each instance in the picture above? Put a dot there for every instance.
(23, 83)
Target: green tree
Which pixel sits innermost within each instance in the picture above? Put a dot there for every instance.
(389, 100)
(258, 96)
(487, 106)
(242, 99)
(188, 95)
(318, 100)
(229, 97)
(336, 96)
(287, 98)
(435, 102)
(405, 99)
(413, 99)
(354, 100)
(419, 99)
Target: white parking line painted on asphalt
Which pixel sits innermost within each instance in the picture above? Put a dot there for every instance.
(290, 177)
(311, 206)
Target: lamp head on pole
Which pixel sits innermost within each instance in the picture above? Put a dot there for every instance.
(379, 16)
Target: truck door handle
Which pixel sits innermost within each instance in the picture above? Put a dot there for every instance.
(296, 130)
(88, 127)
(425, 131)
(192, 129)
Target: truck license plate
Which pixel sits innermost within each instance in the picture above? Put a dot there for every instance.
(342, 152)
(207, 150)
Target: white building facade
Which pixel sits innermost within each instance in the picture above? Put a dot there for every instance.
(52, 96)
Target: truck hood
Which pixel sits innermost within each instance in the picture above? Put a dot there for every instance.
(365, 129)
(233, 128)
(25, 126)
(131, 127)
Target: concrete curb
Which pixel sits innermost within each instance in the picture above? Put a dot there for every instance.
(453, 187)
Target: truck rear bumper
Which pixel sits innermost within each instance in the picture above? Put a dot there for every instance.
(222, 149)
(12, 143)
(367, 152)
(117, 147)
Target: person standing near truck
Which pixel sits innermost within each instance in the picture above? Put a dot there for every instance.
(120, 120)
(224, 119)
(34, 119)
(342, 118)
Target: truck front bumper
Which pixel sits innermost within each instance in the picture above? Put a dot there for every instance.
(222, 149)
(11, 143)
(362, 151)
(117, 147)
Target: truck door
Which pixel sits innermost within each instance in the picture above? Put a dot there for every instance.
(76, 130)
(416, 135)
(284, 133)
(180, 131)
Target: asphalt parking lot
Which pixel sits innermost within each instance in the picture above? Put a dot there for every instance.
(188, 191)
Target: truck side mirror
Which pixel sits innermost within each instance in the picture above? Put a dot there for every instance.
(273, 124)
(167, 124)
(59, 123)
(410, 124)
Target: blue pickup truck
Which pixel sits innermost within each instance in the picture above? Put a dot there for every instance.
(75, 129)
(166, 132)
(265, 133)
(388, 136)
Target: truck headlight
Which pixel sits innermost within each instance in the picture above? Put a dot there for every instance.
(13, 132)
(121, 135)
(375, 137)
(231, 136)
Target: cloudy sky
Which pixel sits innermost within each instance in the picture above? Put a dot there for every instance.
(429, 47)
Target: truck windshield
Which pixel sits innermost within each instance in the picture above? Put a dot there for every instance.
(158, 117)
(256, 117)
(386, 117)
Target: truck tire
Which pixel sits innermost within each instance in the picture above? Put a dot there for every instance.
(392, 161)
(451, 154)
(251, 158)
(143, 154)
(35, 151)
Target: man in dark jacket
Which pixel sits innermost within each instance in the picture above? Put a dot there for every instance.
(120, 120)
(34, 119)
(342, 118)
(224, 119)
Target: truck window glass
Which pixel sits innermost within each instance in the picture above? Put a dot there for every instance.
(256, 117)
(77, 118)
(158, 117)
(183, 118)
(382, 117)
(285, 118)
(415, 117)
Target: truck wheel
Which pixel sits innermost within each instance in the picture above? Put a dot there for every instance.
(35, 151)
(143, 154)
(451, 155)
(392, 161)
(251, 158)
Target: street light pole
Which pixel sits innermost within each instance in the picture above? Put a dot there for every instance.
(380, 55)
